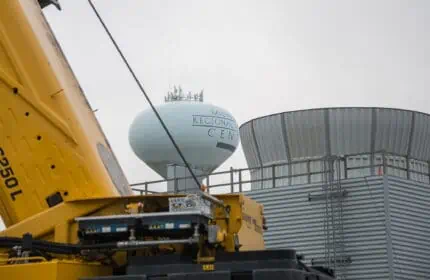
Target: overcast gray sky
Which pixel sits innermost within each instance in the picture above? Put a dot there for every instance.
(252, 57)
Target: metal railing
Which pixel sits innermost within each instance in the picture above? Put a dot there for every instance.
(309, 171)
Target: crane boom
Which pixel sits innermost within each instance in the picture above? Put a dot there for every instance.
(52, 148)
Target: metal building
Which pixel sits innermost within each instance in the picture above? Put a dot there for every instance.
(347, 187)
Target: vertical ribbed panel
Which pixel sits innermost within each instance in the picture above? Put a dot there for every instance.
(306, 132)
(256, 175)
(299, 168)
(350, 130)
(358, 161)
(399, 163)
(393, 130)
(410, 228)
(421, 167)
(270, 141)
(249, 145)
(420, 148)
(316, 166)
(295, 222)
(267, 173)
(282, 171)
(298, 135)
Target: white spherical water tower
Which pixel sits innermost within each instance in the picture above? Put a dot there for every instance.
(206, 134)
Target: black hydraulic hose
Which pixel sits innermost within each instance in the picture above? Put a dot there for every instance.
(75, 249)
(146, 96)
(54, 247)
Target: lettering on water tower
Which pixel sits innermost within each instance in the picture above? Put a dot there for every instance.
(220, 126)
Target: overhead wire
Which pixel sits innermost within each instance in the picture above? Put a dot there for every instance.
(145, 95)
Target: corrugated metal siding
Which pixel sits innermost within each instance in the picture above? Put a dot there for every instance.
(420, 148)
(365, 229)
(360, 134)
(393, 129)
(350, 130)
(306, 132)
(270, 141)
(295, 222)
(249, 145)
(410, 228)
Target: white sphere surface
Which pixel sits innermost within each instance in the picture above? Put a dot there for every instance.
(206, 134)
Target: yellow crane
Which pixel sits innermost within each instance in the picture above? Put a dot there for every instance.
(67, 206)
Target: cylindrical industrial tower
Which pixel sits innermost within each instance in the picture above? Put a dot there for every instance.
(206, 134)
(347, 187)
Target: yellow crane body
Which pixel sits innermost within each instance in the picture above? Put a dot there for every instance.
(58, 225)
(51, 145)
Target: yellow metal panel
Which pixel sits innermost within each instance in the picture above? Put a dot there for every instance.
(57, 223)
(61, 217)
(251, 231)
(246, 220)
(62, 232)
(54, 270)
(49, 136)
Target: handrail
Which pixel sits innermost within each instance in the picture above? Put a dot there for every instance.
(269, 172)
